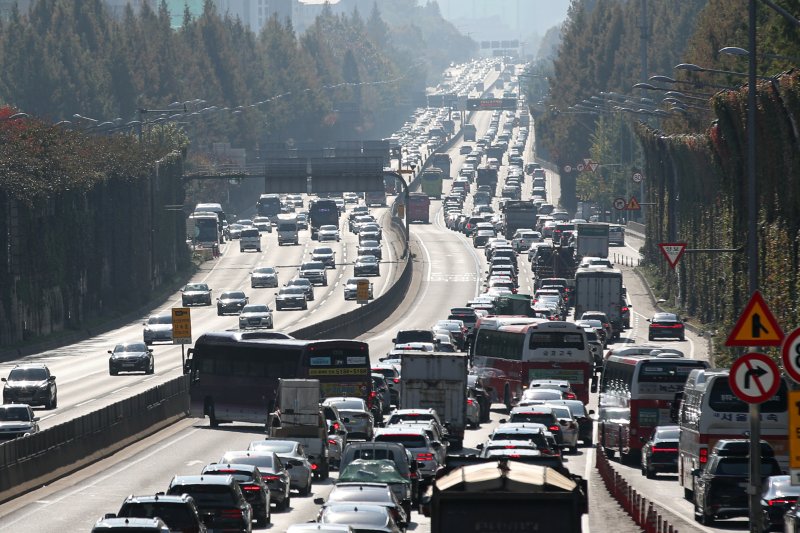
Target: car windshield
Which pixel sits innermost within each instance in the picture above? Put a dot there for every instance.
(367, 259)
(535, 418)
(132, 347)
(562, 412)
(233, 295)
(354, 281)
(160, 319)
(196, 287)
(322, 251)
(261, 460)
(514, 436)
(14, 414)
(354, 404)
(738, 466)
(255, 308)
(328, 228)
(179, 516)
(668, 434)
(292, 290)
(299, 282)
(312, 265)
(264, 270)
(407, 440)
(207, 495)
(272, 446)
(28, 374)
(370, 244)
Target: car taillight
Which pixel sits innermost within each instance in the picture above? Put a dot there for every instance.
(470, 401)
(333, 442)
(271, 478)
(554, 428)
(231, 513)
(665, 450)
(571, 396)
(313, 466)
(251, 487)
(413, 475)
(510, 447)
(781, 501)
(624, 309)
(424, 457)
(396, 380)
(703, 456)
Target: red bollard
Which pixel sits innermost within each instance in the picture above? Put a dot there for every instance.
(649, 526)
(659, 523)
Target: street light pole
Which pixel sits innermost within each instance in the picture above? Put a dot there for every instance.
(752, 265)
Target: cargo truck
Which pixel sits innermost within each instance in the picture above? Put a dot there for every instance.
(592, 240)
(518, 214)
(442, 162)
(437, 381)
(470, 132)
(297, 417)
(600, 289)
(431, 182)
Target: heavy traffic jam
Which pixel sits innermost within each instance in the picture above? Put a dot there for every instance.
(485, 414)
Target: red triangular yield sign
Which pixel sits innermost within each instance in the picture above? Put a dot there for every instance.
(593, 166)
(672, 251)
(757, 326)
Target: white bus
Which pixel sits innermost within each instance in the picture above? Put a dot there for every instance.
(636, 395)
(710, 411)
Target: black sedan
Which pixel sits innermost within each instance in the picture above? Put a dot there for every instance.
(666, 325)
(251, 481)
(131, 357)
(777, 496)
(660, 453)
(367, 265)
(231, 302)
(195, 294)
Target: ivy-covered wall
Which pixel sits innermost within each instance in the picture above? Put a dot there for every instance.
(704, 177)
(85, 230)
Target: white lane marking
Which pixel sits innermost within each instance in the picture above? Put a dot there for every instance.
(119, 390)
(101, 479)
(86, 402)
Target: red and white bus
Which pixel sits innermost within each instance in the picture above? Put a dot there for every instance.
(637, 393)
(234, 375)
(710, 411)
(510, 356)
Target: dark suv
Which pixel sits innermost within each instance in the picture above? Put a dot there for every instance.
(217, 497)
(179, 512)
(250, 480)
(31, 384)
(720, 488)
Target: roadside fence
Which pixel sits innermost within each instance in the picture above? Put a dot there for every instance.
(646, 513)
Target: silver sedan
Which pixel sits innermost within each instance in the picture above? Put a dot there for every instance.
(293, 455)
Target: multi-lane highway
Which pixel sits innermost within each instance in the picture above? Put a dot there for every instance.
(448, 272)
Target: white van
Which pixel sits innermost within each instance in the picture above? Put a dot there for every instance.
(250, 239)
(287, 229)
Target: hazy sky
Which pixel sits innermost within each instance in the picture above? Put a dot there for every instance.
(504, 19)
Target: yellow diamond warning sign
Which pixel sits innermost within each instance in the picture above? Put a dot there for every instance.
(756, 326)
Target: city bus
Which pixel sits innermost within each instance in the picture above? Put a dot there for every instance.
(709, 411)
(269, 205)
(419, 206)
(234, 375)
(510, 356)
(636, 395)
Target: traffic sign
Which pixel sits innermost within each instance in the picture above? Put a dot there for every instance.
(567, 168)
(362, 291)
(790, 353)
(757, 326)
(637, 177)
(181, 325)
(592, 165)
(794, 436)
(754, 378)
(580, 167)
(586, 160)
(620, 203)
(672, 251)
(633, 205)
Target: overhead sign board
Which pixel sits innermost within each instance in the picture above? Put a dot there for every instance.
(479, 104)
(672, 251)
(181, 325)
(754, 378)
(757, 326)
